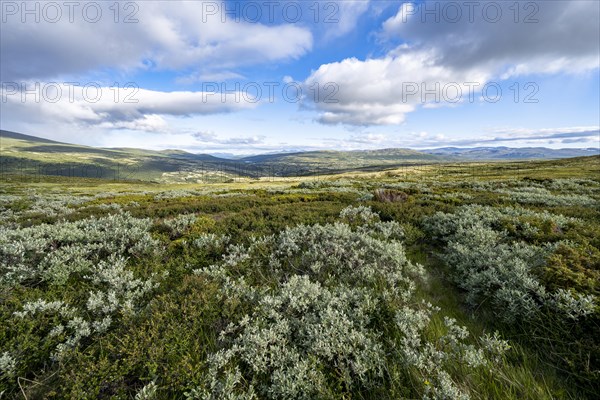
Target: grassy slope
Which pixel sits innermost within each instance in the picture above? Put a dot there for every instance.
(338, 161)
(28, 153)
(522, 376)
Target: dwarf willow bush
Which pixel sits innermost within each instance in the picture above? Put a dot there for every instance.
(35, 205)
(52, 253)
(572, 185)
(148, 392)
(112, 291)
(180, 223)
(520, 267)
(457, 196)
(522, 222)
(8, 364)
(542, 196)
(13, 208)
(295, 337)
(320, 184)
(211, 241)
(431, 361)
(80, 274)
(490, 266)
(322, 301)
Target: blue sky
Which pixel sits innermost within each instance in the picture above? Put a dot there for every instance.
(370, 60)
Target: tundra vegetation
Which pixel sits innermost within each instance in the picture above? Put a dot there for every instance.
(378, 285)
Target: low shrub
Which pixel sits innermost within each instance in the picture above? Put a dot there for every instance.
(325, 325)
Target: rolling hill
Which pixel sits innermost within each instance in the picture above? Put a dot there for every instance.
(31, 155)
(21, 153)
(25, 154)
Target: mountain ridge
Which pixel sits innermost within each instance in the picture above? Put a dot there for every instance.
(478, 152)
(512, 153)
(30, 154)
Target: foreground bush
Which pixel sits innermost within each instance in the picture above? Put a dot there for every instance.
(336, 316)
(65, 284)
(508, 277)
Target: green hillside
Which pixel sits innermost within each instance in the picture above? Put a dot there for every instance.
(440, 281)
(341, 161)
(26, 154)
(29, 155)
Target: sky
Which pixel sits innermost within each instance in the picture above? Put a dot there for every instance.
(248, 77)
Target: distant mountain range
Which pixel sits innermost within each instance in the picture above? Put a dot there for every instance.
(25, 154)
(509, 153)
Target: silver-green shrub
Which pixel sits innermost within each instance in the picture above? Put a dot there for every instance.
(94, 252)
(180, 223)
(492, 267)
(51, 253)
(320, 312)
(113, 290)
(431, 361)
(542, 196)
(293, 335)
(8, 365)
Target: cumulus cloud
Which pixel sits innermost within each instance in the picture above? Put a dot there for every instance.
(165, 36)
(542, 36)
(117, 108)
(146, 123)
(368, 138)
(381, 91)
(342, 16)
(205, 136)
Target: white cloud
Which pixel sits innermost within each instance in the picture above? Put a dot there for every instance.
(578, 132)
(167, 36)
(205, 136)
(583, 136)
(146, 123)
(380, 91)
(544, 36)
(368, 138)
(212, 138)
(136, 109)
(344, 13)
